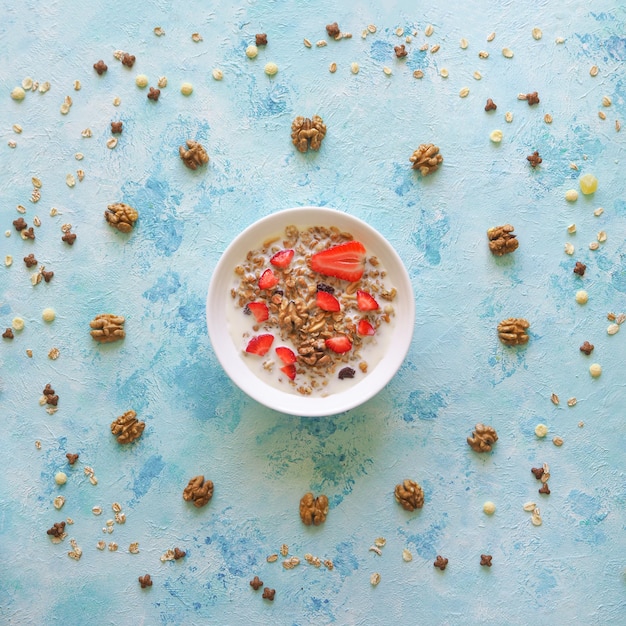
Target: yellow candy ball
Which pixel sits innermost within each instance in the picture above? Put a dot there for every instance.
(588, 184)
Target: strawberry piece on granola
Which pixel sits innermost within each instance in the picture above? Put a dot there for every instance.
(327, 302)
(258, 309)
(289, 370)
(339, 344)
(364, 328)
(268, 279)
(345, 261)
(366, 301)
(286, 355)
(260, 344)
(282, 258)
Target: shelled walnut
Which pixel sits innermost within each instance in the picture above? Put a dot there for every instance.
(409, 494)
(308, 133)
(107, 328)
(194, 156)
(313, 510)
(502, 240)
(512, 331)
(198, 491)
(482, 438)
(426, 158)
(127, 427)
(121, 216)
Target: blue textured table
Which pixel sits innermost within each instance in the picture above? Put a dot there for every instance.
(571, 569)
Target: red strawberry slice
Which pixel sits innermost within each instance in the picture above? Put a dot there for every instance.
(260, 344)
(282, 258)
(286, 355)
(345, 261)
(365, 301)
(364, 328)
(289, 370)
(339, 344)
(259, 310)
(327, 302)
(268, 279)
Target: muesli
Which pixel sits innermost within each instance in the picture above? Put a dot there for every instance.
(313, 310)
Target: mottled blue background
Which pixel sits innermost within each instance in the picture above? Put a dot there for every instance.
(569, 570)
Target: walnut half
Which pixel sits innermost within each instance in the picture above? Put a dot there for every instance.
(482, 438)
(313, 510)
(308, 133)
(194, 156)
(127, 427)
(410, 495)
(121, 216)
(502, 240)
(198, 491)
(426, 158)
(107, 328)
(512, 331)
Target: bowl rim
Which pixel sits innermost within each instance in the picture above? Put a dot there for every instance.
(228, 354)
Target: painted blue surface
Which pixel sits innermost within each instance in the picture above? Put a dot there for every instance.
(572, 569)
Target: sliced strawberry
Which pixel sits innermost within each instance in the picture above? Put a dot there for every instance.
(365, 301)
(268, 279)
(339, 344)
(364, 328)
(286, 355)
(260, 344)
(289, 370)
(259, 310)
(327, 302)
(282, 258)
(345, 261)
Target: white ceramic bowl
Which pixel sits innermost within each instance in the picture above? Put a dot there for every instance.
(219, 308)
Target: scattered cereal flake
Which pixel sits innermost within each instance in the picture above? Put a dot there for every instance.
(463, 43)
(418, 74)
(602, 115)
(483, 54)
(618, 126)
(536, 518)
(58, 502)
(158, 31)
(594, 70)
(17, 128)
(96, 510)
(8, 259)
(162, 82)
(399, 31)
(547, 118)
(529, 506)
(508, 117)
(601, 236)
(168, 555)
(572, 402)
(117, 101)
(217, 74)
(70, 181)
(272, 558)
(133, 548)
(507, 53)
(101, 545)
(464, 92)
(407, 556)
(444, 72)
(594, 245)
(559, 40)
(332, 68)
(376, 549)
(569, 248)
(491, 36)
(86, 133)
(557, 441)
(371, 28)
(354, 67)
(113, 546)
(76, 553)
(38, 444)
(387, 71)
(606, 101)
(77, 85)
(612, 329)
(555, 399)
(429, 30)
(435, 48)
(328, 564)
(111, 143)
(620, 319)
(374, 579)
(196, 37)
(598, 212)
(537, 34)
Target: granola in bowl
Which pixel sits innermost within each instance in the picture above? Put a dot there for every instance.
(310, 311)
